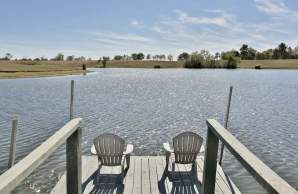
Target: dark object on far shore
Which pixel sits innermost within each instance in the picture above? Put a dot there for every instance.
(258, 67)
(84, 67)
(157, 67)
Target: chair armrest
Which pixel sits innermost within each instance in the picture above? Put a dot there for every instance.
(167, 147)
(202, 149)
(93, 150)
(129, 149)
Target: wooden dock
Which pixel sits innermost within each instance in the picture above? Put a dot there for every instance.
(146, 175)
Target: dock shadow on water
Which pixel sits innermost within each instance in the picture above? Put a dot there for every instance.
(104, 183)
(182, 182)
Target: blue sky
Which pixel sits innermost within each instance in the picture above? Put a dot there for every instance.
(93, 28)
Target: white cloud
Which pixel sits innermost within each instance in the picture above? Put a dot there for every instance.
(186, 18)
(271, 7)
(223, 31)
(276, 8)
(120, 37)
(135, 22)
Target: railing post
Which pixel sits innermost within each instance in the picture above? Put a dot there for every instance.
(12, 152)
(74, 163)
(71, 100)
(226, 123)
(210, 163)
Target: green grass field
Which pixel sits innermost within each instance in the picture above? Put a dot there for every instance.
(17, 69)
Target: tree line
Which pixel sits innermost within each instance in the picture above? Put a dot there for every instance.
(282, 51)
(142, 56)
(58, 57)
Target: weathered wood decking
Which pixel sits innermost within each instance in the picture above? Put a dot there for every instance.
(146, 175)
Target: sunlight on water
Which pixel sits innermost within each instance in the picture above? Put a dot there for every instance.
(149, 107)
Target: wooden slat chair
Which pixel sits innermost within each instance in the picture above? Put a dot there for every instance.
(109, 149)
(186, 146)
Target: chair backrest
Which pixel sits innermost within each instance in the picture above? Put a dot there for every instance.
(187, 145)
(109, 148)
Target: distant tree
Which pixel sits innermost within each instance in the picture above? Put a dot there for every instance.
(81, 58)
(134, 56)
(217, 56)
(183, 56)
(195, 60)
(276, 54)
(7, 57)
(36, 59)
(137, 56)
(283, 49)
(140, 56)
(252, 53)
(232, 63)
(43, 58)
(170, 57)
(228, 54)
(295, 50)
(125, 57)
(70, 58)
(59, 57)
(118, 57)
(247, 53)
(264, 55)
(206, 55)
(105, 60)
(148, 57)
(244, 51)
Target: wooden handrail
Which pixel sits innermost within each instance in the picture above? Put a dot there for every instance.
(261, 172)
(71, 133)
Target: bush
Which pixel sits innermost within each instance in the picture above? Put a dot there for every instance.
(232, 63)
(195, 61)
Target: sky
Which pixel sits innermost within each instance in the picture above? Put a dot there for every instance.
(95, 28)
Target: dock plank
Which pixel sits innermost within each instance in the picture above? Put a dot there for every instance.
(146, 176)
(153, 175)
(137, 178)
(128, 180)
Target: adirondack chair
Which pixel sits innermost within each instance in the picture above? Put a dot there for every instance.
(109, 149)
(186, 146)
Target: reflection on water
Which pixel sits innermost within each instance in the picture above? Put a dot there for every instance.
(148, 107)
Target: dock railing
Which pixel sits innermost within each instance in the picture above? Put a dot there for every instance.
(261, 172)
(71, 134)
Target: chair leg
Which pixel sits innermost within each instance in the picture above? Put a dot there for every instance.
(167, 160)
(127, 158)
(194, 169)
(122, 173)
(97, 174)
(173, 171)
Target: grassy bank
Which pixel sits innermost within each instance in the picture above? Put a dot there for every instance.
(145, 64)
(265, 64)
(17, 69)
(270, 64)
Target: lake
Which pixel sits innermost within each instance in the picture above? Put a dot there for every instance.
(148, 107)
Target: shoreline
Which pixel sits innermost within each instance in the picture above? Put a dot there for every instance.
(35, 69)
(39, 74)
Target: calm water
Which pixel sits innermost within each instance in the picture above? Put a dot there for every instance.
(148, 107)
